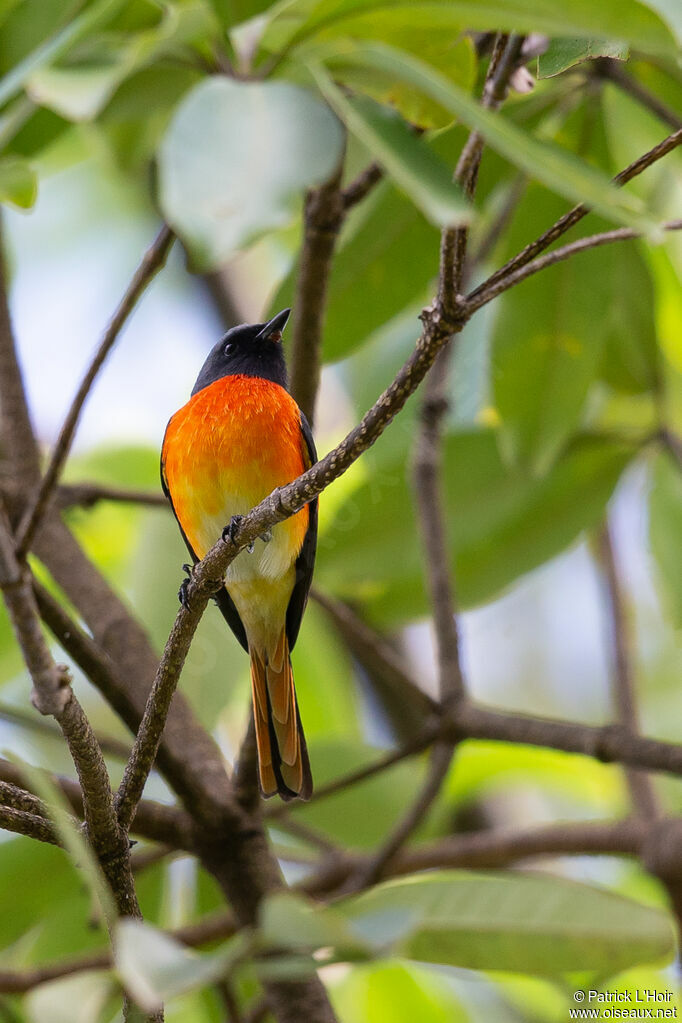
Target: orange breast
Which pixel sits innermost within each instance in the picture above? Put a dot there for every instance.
(227, 449)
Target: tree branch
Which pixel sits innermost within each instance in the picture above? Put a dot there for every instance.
(614, 71)
(20, 449)
(29, 824)
(495, 285)
(151, 263)
(406, 705)
(427, 471)
(154, 821)
(572, 217)
(89, 494)
(358, 189)
(642, 791)
(108, 744)
(203, 932)
(323, 216)
(496, 849)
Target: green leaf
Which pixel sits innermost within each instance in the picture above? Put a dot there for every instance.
(73, 841)
(413, 166)
(155, 967)
(18, 182)
(391, 250)
(396, 992)
(91, 18)
(290, 921)
(501, 522)
(77, 93)
(547, 344)
(289, 23)
(631, 357)
(79, 90)
(527, 923)
(567, 52)
(665, 534)
(235, 159)
(560, 171)
(51, 917)
(428, 32)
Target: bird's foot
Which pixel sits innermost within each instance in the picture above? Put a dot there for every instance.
(231, 528)
(266, 537)
(184, 585)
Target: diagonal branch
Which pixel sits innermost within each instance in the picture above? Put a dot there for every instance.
(568, 220)
(151, 263)
(154, 821)
(607, 67)
(491, 288)
(427, 475)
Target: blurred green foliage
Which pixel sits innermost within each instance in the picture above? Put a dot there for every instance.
(560, 388)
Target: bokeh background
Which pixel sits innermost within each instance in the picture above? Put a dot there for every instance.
(535, 631)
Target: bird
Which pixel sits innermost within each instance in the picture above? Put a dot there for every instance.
(241, 435)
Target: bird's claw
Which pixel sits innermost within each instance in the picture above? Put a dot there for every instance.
(231, 528)
(183, 595)
(266, 537)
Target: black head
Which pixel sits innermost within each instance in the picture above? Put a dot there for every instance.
(252, 350)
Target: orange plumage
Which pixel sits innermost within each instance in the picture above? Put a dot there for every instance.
(224, 451)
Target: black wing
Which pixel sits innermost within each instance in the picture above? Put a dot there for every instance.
(222, 597)
(306, 559)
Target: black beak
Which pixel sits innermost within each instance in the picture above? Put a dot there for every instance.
(276, 325)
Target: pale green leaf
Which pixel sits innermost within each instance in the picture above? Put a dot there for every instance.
(523, 922)
(236, 158)
(396, 992)
(55, 47)
(155, 967)
(18, 182)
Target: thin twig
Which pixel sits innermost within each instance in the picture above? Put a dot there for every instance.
(88, 494)
(151, 263)
(154, 821)
(107, 743)
(612, 69)
(642, 791)
(406, 705)
(495, 849)
(361, 186)
(29, 824)
(495, 285)
(427, 479)
(571, 218)
(506, 51)
(203, 932)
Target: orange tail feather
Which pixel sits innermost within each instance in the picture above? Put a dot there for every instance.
(283, 762)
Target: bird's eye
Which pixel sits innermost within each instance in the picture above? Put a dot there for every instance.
(228, 348)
